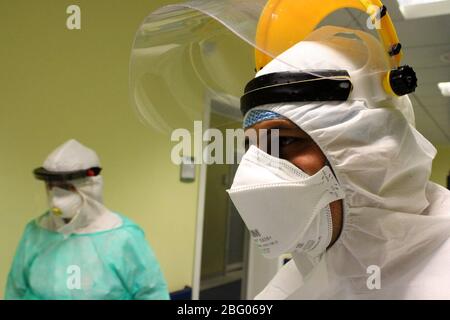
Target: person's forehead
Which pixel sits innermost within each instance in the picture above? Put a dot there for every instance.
(281, 124)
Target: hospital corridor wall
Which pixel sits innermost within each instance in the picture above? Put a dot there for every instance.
(441, 165)
(59, 84)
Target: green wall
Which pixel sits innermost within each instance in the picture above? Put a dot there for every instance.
(58, 84)
(441, 165)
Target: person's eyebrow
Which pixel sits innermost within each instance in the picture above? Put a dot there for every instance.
(286, 130)
(280, 125)
(292, 132)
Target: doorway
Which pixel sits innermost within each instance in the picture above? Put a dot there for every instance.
(228, 265)
(224, 232)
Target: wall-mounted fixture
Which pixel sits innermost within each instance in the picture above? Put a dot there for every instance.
(187, 169)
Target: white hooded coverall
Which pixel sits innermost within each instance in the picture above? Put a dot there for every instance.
(394, 243)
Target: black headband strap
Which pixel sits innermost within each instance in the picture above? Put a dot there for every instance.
(320, 85)
(43, 174)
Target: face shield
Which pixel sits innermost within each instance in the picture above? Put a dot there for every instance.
(184, 54)
(64, 198)
(61, 178)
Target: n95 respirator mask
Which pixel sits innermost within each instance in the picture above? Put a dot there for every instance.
(64, 203)
(285, 209)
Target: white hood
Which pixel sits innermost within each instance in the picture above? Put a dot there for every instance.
(384, 164)
(93, 216)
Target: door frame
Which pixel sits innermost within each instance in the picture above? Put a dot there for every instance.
(228, 106)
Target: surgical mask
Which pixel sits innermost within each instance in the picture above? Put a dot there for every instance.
(285, 209)
(64, 203)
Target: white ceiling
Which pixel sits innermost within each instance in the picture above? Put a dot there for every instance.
(424, 41)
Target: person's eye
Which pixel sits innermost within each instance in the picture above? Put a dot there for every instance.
(285, 141)
(66, 186)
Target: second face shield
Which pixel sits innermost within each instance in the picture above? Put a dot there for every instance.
(285, 209)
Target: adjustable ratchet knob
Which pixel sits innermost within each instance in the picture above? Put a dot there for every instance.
(402, 80)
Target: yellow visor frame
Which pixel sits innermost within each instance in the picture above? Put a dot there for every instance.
(283, 23)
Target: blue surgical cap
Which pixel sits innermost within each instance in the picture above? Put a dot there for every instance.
(255, 116)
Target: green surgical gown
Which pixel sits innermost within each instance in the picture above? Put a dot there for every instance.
(112, 264)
